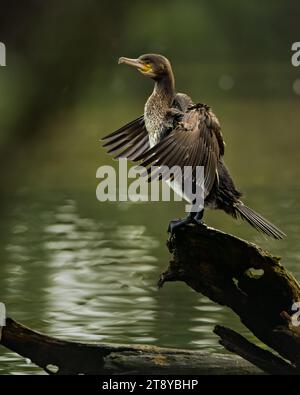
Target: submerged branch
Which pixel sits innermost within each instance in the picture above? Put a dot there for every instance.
(64, 357)
(229, 271)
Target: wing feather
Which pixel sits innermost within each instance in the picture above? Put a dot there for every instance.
(130, 141)
(195, 140)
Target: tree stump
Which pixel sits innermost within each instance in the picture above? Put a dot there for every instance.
(238, 274)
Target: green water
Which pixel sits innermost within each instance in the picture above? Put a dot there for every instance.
(75, 268)
(78, 269)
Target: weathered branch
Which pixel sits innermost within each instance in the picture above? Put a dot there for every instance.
(263, 359)
(64, 357)
(238, 274)
(228, 270)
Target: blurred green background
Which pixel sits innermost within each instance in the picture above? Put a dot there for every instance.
(77, 268)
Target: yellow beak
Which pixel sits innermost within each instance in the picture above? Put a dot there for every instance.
(135, 63)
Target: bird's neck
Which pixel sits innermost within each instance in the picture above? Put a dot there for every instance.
(157, 106)
(164, 89)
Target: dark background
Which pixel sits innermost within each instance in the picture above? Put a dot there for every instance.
(79, 269)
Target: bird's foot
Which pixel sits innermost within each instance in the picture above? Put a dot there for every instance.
(196, 218)
(179, 223)
(199, 222)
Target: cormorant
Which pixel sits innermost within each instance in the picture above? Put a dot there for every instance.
(175, 131)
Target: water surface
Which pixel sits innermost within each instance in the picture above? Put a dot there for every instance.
(78, 269)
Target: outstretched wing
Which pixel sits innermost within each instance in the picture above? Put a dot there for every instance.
(195, 140)
(129, 142)
(132, 140)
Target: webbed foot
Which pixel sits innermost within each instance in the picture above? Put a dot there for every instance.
(178, 223)
(196, 218)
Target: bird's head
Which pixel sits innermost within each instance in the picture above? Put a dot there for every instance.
(151, 65)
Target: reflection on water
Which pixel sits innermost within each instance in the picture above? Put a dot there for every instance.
(93, 279)
(101, 280)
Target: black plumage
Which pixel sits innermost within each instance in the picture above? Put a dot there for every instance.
(176, 132)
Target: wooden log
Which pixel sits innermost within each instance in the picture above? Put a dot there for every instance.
(238, 274)
(64, 357)
(264, 359)
(231, 272)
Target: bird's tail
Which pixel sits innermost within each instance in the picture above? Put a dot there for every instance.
(258, 221)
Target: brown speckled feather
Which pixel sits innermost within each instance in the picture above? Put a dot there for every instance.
(195, 140)
(173, 132)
